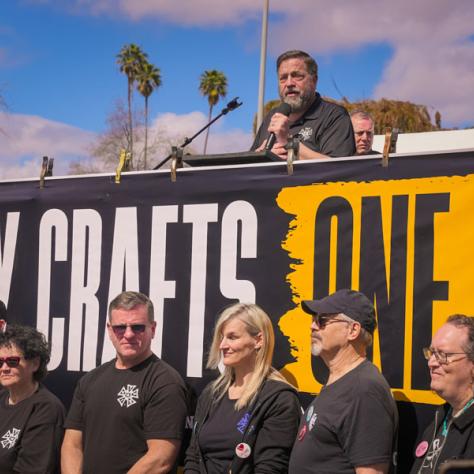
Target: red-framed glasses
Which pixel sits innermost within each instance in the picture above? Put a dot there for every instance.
(12, 361)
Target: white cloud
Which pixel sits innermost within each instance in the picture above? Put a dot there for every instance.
(433, 50)
(177, 127)
(183, 12)
(443, 81)
(192, 12)
(432, 42)
(340, 25)
(26, 138)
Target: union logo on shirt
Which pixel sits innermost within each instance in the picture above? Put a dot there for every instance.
(10, 438)
(305, 133)
(128, 395)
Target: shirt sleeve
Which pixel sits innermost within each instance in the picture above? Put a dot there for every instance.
(165, 413)
(277, 435)
(368, 433)
(338, 137)
(75, 419)
(41, 439)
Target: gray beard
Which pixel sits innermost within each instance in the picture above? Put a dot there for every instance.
(300, 103)
(316, 348)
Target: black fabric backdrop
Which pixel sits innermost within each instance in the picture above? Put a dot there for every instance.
(259, 186)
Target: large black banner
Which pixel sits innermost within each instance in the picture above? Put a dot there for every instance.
(402, 234)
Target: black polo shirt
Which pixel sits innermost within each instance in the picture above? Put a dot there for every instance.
(325, 128)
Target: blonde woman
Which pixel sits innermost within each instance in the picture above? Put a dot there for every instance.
(246, 421)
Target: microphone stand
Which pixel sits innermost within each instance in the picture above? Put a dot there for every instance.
(232, 105)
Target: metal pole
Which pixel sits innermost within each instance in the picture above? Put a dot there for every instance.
(263, 60)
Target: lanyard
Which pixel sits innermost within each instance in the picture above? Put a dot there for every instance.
(444, 431)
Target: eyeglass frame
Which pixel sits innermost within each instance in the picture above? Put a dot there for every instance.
(428, 352)
(329, 320)
(8, 360)
(120, 329)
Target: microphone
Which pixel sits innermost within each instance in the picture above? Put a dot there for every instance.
(284, 109)
(232, 105)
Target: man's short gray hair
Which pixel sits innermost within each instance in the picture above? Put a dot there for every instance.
(364, 336)
(130, 300)
(362, 114)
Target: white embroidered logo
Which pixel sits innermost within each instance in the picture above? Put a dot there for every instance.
(128, 396)
(10, 437)
(432, 456)
(305, 133)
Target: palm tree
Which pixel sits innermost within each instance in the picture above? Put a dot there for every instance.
(213, 85)
(130, 59)
(148, 79)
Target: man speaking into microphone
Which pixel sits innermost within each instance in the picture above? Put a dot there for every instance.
(324, 129)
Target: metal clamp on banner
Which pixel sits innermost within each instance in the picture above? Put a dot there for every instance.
(124, 165)
(293, 147)
(176, 161)
(46, 170)
(386, 146)
(390, 144)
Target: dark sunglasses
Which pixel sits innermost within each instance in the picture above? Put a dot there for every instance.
(119, 329)
(322, 320)
(12, 361)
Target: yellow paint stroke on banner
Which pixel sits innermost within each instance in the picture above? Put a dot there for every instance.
(453, 260)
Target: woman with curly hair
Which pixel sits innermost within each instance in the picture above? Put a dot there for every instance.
(247, 419)
(31, 417)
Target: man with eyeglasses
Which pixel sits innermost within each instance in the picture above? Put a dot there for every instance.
(451, 364)
(351, 427)
(127, 415)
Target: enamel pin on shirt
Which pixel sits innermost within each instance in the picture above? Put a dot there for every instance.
(421, 449)
(243, 450)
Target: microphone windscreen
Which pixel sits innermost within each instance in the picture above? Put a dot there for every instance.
(284, 109)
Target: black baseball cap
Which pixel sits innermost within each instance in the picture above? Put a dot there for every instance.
(352, 303)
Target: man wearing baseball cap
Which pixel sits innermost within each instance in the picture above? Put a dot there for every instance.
(351, 427)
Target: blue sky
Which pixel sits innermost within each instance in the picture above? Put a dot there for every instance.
(60, 80)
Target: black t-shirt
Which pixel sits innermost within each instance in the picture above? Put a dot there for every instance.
(119, 410)
(429, 464)
(31, 433)
(220, 435)
(325, 128)
(353, 422)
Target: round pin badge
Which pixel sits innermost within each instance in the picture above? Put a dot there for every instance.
(302, 433)
(243, 450)
(421, 449)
